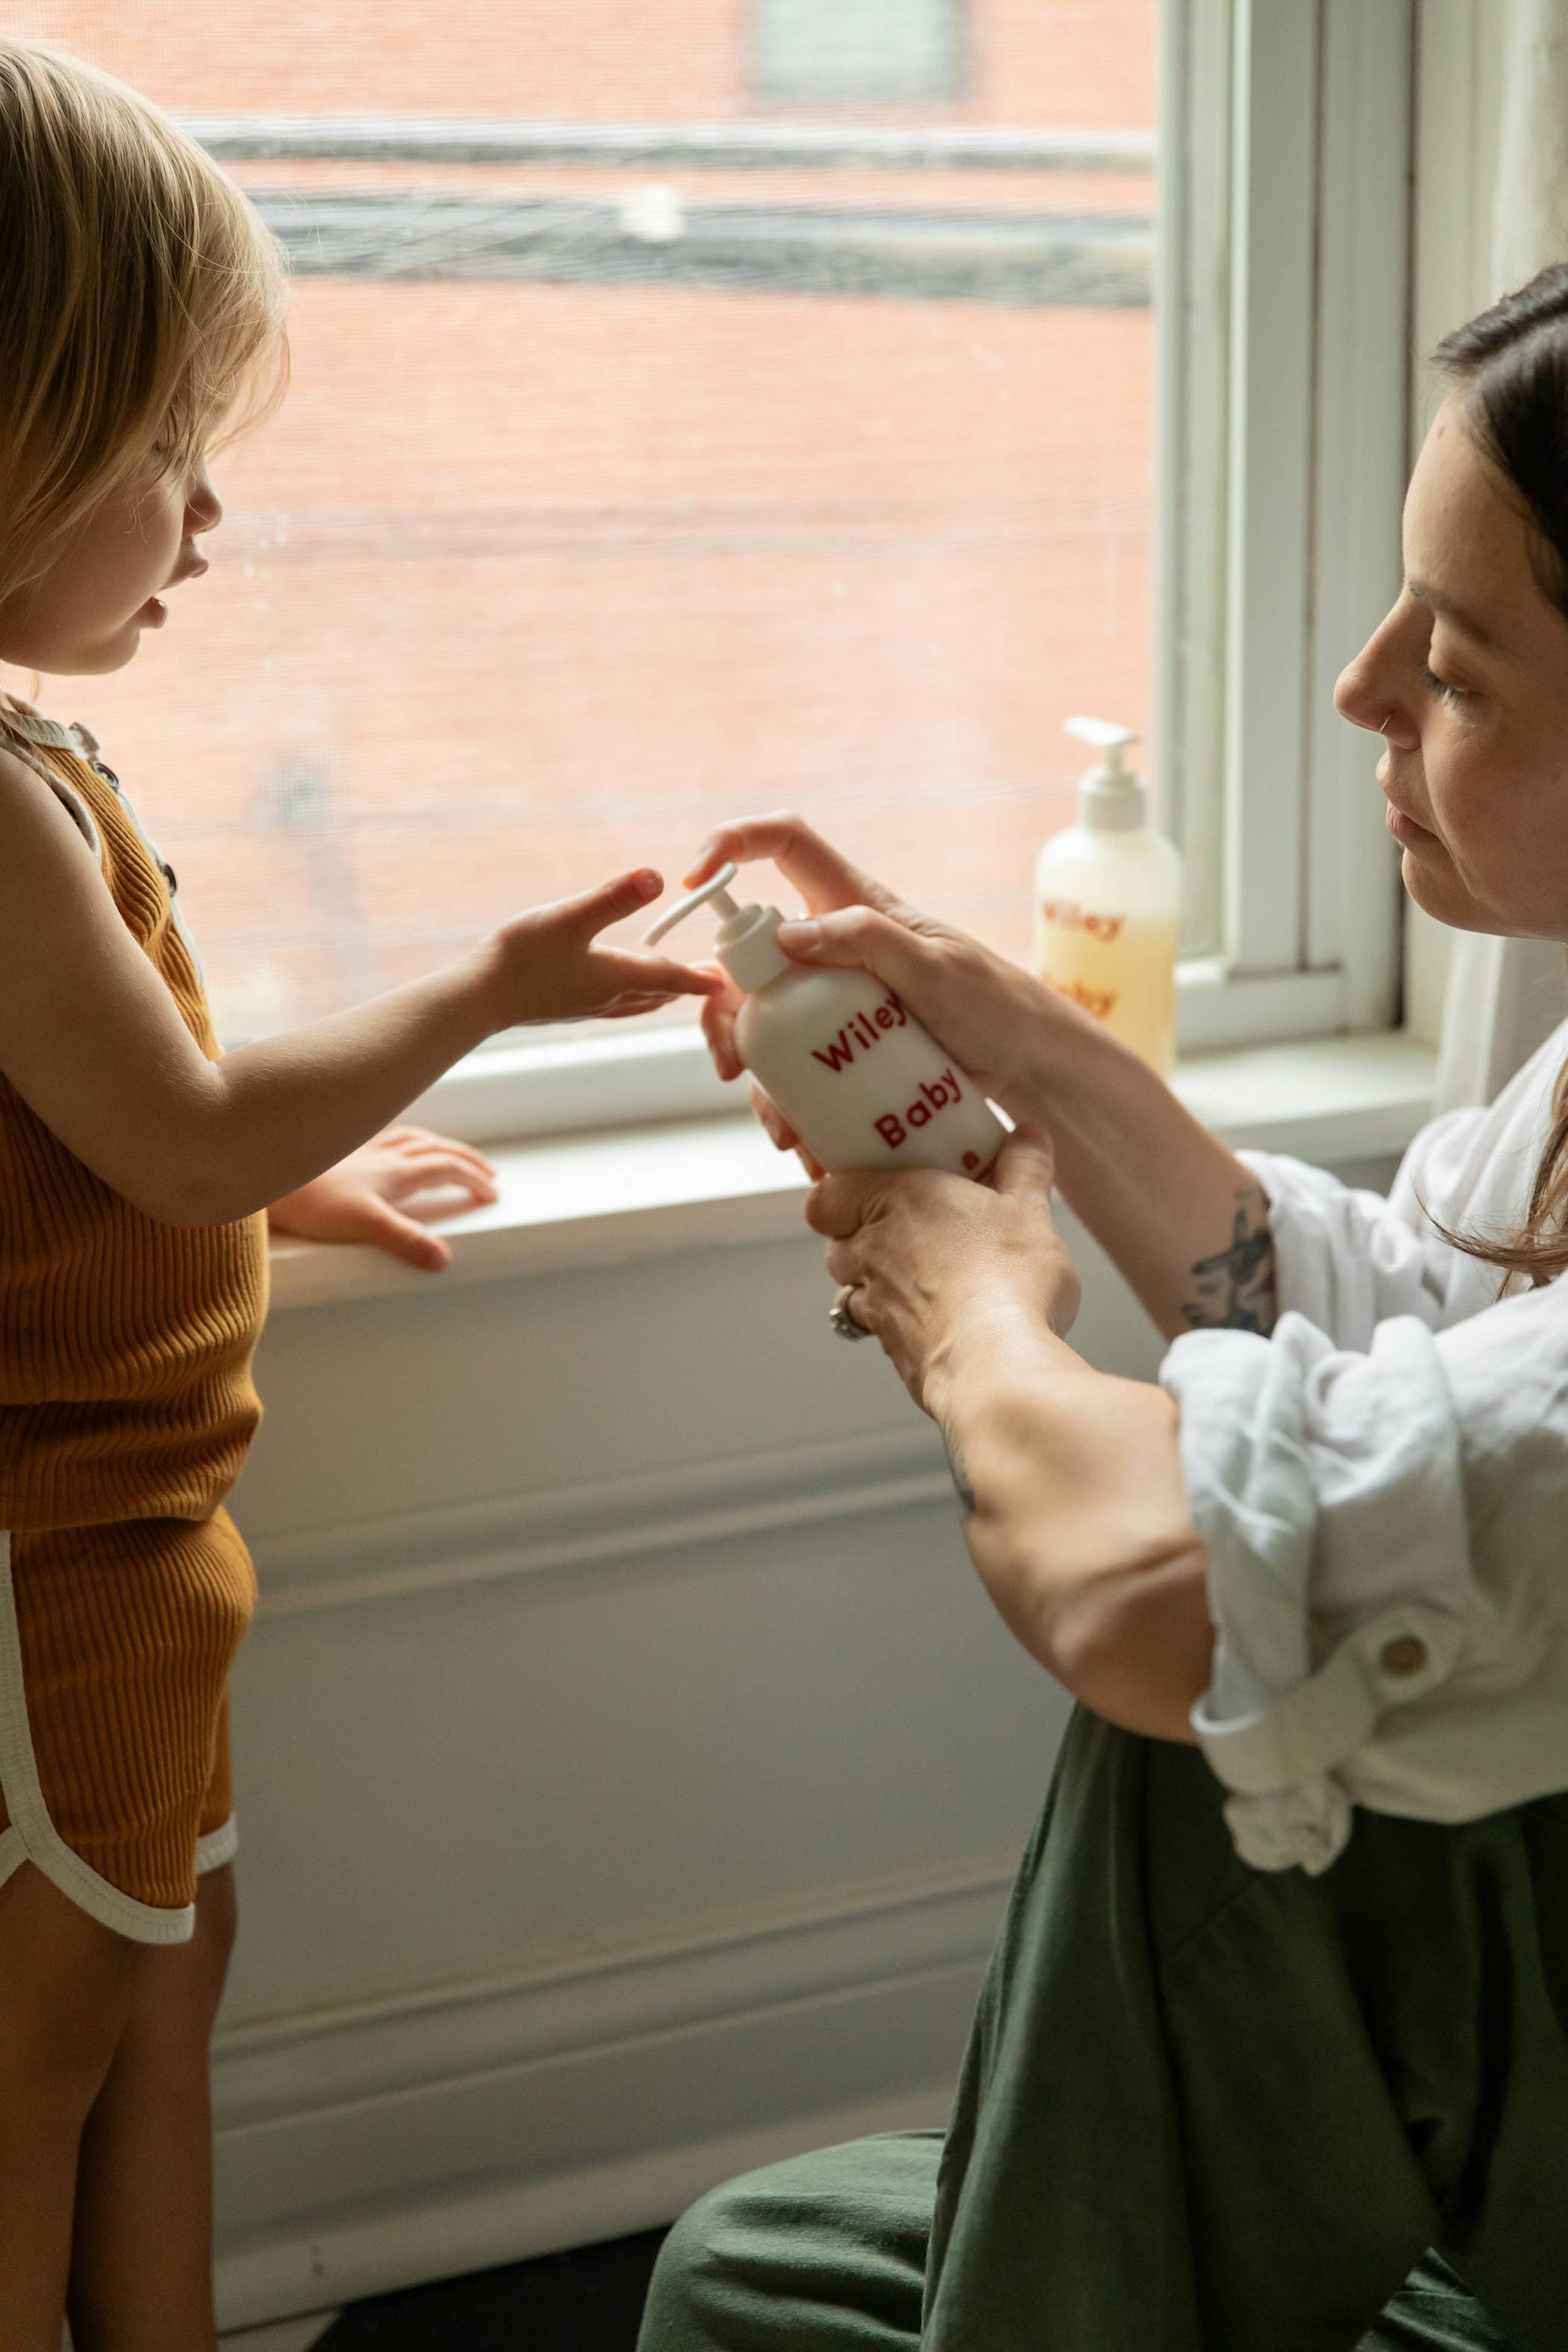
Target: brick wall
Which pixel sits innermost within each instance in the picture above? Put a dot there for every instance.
(528, 582)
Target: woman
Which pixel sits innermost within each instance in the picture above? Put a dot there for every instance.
(1273, 2052)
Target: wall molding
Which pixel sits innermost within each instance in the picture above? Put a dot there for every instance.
(723, 1931)
(265, 2068)
(489, 2222)
(601, 1523)
(485, 2121)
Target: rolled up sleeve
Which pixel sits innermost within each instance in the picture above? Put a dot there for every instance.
(1349, 1259)
(1384, 1527)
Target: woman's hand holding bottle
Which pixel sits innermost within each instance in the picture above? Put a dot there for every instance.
(1156, 1189)
(1000, 1025)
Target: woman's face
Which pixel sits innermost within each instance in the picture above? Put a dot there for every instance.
(1466, 681)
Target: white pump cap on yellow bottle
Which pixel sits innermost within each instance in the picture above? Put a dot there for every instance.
(1111, 799)
(746, 945)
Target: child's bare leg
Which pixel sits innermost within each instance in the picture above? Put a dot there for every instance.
(65, 1985)
(140, 2274)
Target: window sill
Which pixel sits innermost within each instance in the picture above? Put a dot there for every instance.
(602, 1198)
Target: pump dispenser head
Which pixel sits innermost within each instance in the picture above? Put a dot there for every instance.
(745, 944)
(1111, 799)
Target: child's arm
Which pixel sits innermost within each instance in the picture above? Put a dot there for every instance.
(91, 1039)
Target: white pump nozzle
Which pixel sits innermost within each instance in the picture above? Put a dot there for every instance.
(714, 892)
(745, 942)
(1109, 798)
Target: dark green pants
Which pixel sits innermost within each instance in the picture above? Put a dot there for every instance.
(1204, 2108)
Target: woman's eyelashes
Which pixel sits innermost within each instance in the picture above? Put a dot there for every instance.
(1443, 687)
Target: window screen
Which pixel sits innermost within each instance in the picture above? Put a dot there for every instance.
(654, 454)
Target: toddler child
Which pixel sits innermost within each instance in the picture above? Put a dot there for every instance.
(141, 315)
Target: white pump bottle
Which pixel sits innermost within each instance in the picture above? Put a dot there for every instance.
(858, 1079)
(1108, 897)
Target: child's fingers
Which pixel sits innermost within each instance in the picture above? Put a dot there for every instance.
(450, 1169)
(386, 1228)
(631, 1001)
(402, 1174)
(428, 1171)
(627, 1008)
(436, 1146)
(625, 971)
(406, 1140)
(591, 912)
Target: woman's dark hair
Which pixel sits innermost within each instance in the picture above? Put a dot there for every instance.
(1509, 367)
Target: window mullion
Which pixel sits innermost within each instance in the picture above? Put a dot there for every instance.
(1360, 457)
(1192, 318)
(1268, 556)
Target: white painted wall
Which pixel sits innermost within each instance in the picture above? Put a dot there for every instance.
(630, 1769)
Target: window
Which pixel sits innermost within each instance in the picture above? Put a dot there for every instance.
(820, 52)
(699, 411)
(1283, 368)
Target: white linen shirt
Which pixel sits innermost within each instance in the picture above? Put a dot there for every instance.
(1382, 1486)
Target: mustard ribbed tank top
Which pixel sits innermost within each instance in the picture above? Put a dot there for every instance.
(125, 1344)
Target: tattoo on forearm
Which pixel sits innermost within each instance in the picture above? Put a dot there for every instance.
(1233, 1290)
(961, 1485)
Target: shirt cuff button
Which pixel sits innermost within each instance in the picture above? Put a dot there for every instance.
(1403, 1657)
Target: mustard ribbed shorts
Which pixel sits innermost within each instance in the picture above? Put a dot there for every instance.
(115, 1647)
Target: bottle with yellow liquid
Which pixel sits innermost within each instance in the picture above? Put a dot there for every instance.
(1108, 895)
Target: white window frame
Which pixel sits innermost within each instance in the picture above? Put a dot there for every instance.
(1284, 341)
(1283, 307)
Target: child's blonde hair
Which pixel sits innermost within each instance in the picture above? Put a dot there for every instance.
(140, 299)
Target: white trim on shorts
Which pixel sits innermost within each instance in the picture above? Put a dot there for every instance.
(32, 1835)
(218, 1846)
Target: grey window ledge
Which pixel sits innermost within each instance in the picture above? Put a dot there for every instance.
(615, 1194)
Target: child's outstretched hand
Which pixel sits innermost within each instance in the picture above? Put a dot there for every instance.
(545, 966)
(364, 1197)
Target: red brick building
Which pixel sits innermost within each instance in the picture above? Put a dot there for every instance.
(622, 487)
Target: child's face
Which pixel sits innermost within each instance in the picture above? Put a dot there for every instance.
(87, 612)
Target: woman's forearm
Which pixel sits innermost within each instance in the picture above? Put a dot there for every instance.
(1178, 1214)
(1075, 1516)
